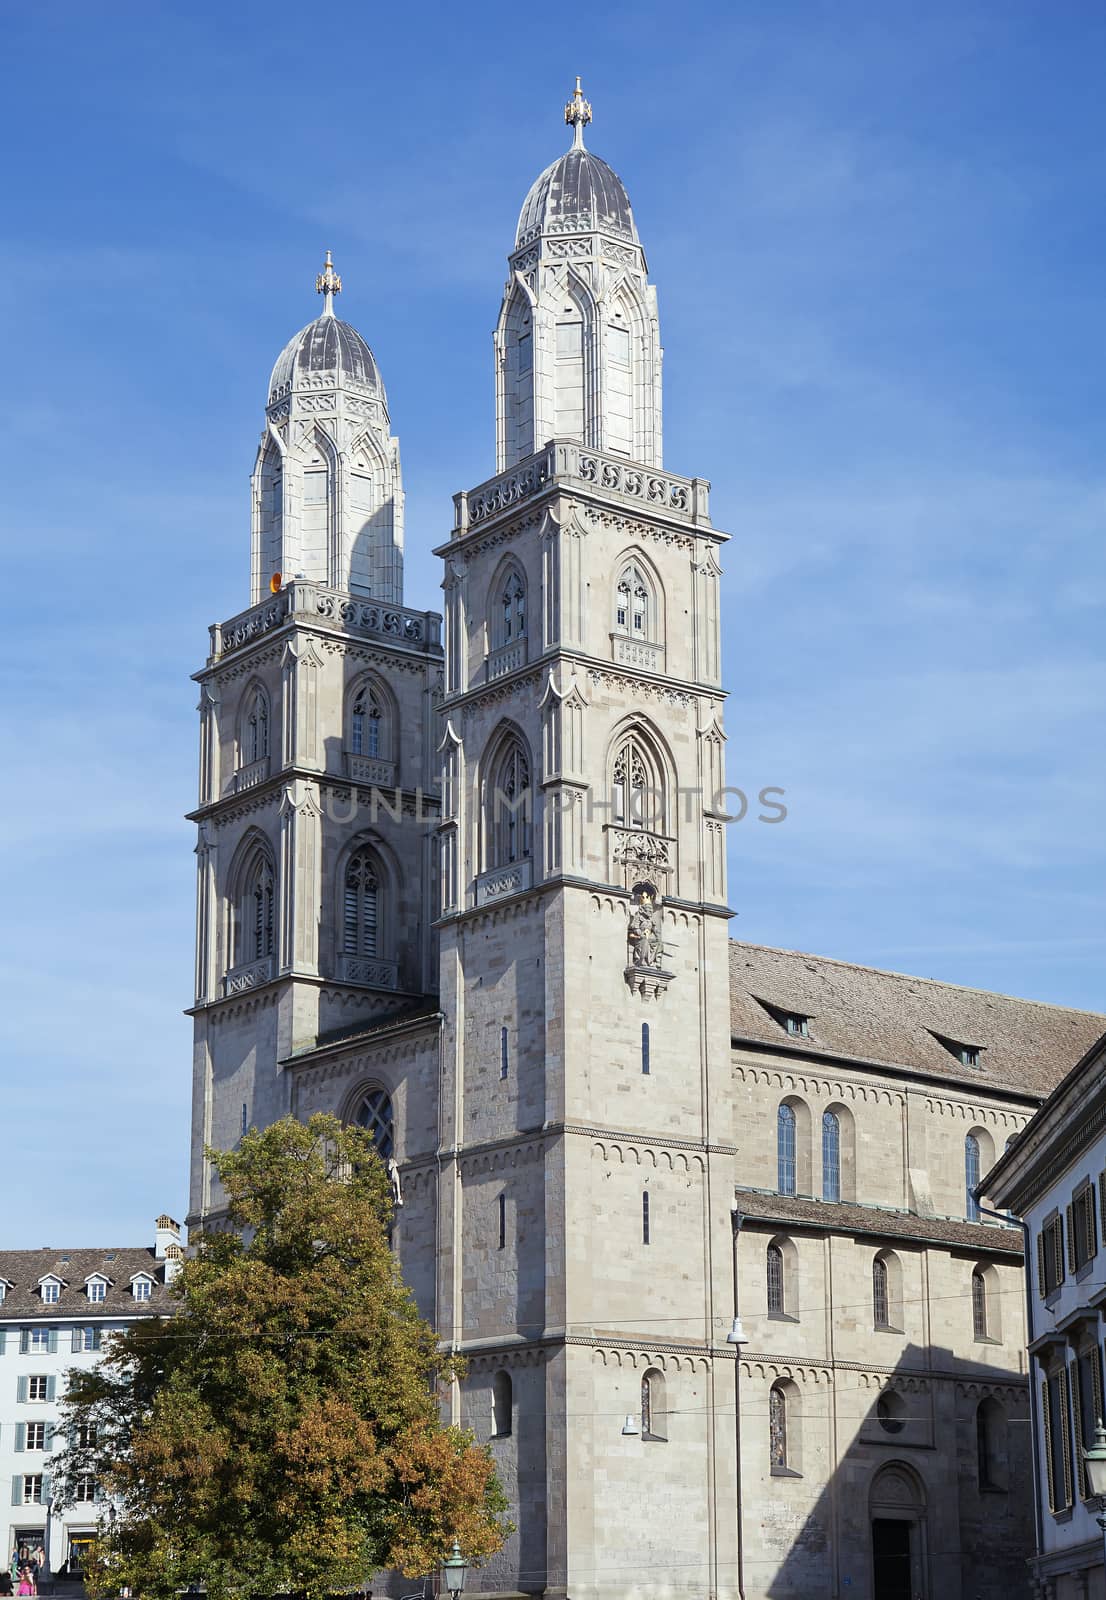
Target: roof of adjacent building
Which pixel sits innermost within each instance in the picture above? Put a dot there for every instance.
(581, 189)
(326, 345)
(24, 1270)
(887, 1019)
(876, 1222)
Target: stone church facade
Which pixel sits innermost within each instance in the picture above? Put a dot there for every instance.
(695, 1212)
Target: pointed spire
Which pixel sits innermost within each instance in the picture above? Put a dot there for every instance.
(328, 284)
(577, 113)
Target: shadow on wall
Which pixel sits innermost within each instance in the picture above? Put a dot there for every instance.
(931, 1500)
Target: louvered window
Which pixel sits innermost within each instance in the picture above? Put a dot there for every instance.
(508, 808)
(1086, 1397)
(1050, 1256)
(1082, 1228)
(361, 907)
(637, 790)
(1054, 1405)
(260, 912)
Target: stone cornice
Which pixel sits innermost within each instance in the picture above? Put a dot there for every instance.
(566, 880)
(663, 685)
(229, 807)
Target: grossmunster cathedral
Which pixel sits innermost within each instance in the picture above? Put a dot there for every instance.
(698, 1214)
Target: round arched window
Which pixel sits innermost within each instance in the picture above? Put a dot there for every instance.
(890, 1411)
(375, 1114)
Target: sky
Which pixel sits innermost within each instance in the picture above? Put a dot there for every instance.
(877, 235)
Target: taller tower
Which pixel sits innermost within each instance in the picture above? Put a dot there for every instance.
(578, 353)
(586, 1117)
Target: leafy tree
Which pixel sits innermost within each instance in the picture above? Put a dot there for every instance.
(281, 1432)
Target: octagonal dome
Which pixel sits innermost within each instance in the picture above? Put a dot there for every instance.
(325, 346)
(577, 191)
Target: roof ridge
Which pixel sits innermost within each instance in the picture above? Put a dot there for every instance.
(913, 977)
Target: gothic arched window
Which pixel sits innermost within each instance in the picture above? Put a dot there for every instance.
(365, 723)
(785, 1149)
(881, 1303)
(375, 1115)
(634, 606)
(253, 743)
(507, 806)
(255, 931)
(979, 1304)
(511, 603)
(361, 906)
(774, 1271)
(654, 1406)
(638, 787)
(831, 1156)
(972, 1176)
(777, 1428)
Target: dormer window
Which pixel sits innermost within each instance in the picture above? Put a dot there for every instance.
(142, 1287)
(5, 1285)
(96, 1288)
(968, 1055)
(50, 1289)
(795, 1023)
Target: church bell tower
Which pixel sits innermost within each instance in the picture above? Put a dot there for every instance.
(584, 982)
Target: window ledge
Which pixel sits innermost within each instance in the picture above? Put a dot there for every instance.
(785, 1472)
(781, 1316)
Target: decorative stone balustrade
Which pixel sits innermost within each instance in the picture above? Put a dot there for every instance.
(250, 976)
(506, 658)
(499, 882)
(250, 776)
(368, 972)
(370, 769)
(314, 602)
(638, 653)
(687, 499)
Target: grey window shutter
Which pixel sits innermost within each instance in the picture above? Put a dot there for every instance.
(24, 1340)
(48, 1445)
(3, 1338)
(53, 1337)
(21, 1389)
(21, 1436)
(51, 1387)
(17, 1490)
(75, 1341)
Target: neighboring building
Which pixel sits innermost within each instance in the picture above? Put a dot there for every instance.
(55, 1308)
(473, 897)
(1054, 1178)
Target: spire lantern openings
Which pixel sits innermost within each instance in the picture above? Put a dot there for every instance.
(328, 283)
(577, 113)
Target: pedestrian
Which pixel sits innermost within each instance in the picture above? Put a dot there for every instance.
(26, 1582)
(5, 1584)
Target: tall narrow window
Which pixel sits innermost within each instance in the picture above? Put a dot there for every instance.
(777, 1429)
(654, 1406)
(361, 906)
(645, 1216)
(634, 606)
(375, 1114)
(785, 1149)
(512, 609)
(365, 720)
(508, 807)
(971, 1178)
(831, 1156)
(245, 1119)
(502, 1220)
(979, 1304)
(637, 788)
(502, 1405)
(257, 918)
(504, 1054)
(256, 731)
(774, 1270)
(645, 1048)
(881, 1304)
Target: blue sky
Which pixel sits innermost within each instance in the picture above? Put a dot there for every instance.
(877, 236)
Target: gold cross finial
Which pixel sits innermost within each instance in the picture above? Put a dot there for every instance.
(328, 284)
(577, 113)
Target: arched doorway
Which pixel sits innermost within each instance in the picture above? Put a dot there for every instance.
(896, 1510)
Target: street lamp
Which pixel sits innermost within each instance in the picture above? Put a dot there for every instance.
(1094, 1460)
(454, 1570)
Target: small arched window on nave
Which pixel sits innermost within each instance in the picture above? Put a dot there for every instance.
(375, 1115)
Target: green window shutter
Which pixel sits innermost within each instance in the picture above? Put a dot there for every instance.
(51, 1387)
(21, 1436)
(53, 1338)
(17, 1490)
(21, 1389)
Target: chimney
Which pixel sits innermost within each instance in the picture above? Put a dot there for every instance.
(168, 1233)
(174, 1256)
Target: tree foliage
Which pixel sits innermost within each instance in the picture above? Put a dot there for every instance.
(281, 1432)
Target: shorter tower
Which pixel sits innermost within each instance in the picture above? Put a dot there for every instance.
(578, 351)
(327, 487)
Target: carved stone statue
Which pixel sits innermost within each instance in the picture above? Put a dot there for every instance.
(644, 931)
(393, 1174)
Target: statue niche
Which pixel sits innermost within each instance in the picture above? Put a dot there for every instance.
(645, 971)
